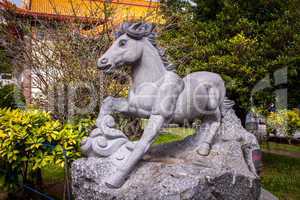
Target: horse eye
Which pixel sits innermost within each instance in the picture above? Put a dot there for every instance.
(122, 43)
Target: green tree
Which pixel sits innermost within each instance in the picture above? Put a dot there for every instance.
(5, 62)
(242, 40)
(11, 96)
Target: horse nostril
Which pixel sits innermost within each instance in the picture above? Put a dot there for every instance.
(104, 61)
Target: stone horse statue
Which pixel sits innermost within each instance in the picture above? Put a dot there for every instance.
(157, 93)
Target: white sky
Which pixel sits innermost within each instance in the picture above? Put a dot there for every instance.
(17, 2)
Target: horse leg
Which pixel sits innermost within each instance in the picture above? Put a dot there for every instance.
(109, 106)
(112, 104)
(207, 132)
(150, 133)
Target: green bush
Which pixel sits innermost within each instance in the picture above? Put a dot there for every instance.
(11, 97)
(244, 41)
(285, 121)
(31, 140)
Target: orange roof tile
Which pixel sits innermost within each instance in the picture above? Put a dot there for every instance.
(91, 11)
(119, 9)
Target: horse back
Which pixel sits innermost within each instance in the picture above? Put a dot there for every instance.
(204, 77)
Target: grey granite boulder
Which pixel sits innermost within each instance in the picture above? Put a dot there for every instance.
(176, 171)
(162, 175)
(266, 195)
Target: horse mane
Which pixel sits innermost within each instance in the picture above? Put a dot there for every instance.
(141, 30)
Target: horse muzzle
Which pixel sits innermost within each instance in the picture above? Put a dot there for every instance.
(107, 69)
(105, 66)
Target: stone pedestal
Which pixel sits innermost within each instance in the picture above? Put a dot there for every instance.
(172, 171)
(175, 171)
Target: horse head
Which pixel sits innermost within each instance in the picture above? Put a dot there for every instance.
(127, 48)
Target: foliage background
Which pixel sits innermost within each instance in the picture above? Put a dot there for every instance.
(242, 40)
(11, 96)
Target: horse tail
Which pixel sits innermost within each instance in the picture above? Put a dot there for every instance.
(226, 106)
(213, 97)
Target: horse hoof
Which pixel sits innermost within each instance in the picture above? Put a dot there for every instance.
(203, 149)
(115, 181)
(111, 186)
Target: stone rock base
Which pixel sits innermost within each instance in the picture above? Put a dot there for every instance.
(172, 172)
(266, 195)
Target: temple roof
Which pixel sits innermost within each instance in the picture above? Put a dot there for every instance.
(89, 11)
(93, 9)
(84, 7)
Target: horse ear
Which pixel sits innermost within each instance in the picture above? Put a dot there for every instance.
(148, 29)
(140, 30)
(125, 26)
(137, 26)
(152, 27)
(136, 30)
(122, 29)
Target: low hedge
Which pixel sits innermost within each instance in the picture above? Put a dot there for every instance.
(32, 139)
(285, 122)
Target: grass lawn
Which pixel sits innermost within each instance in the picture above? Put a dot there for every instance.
(281, 176)
(173, 134)
(53, 174)
(53, 177)
(280, 147)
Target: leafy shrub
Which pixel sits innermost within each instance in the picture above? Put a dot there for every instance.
(284, 121)
(10, 96)
(31, 140)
